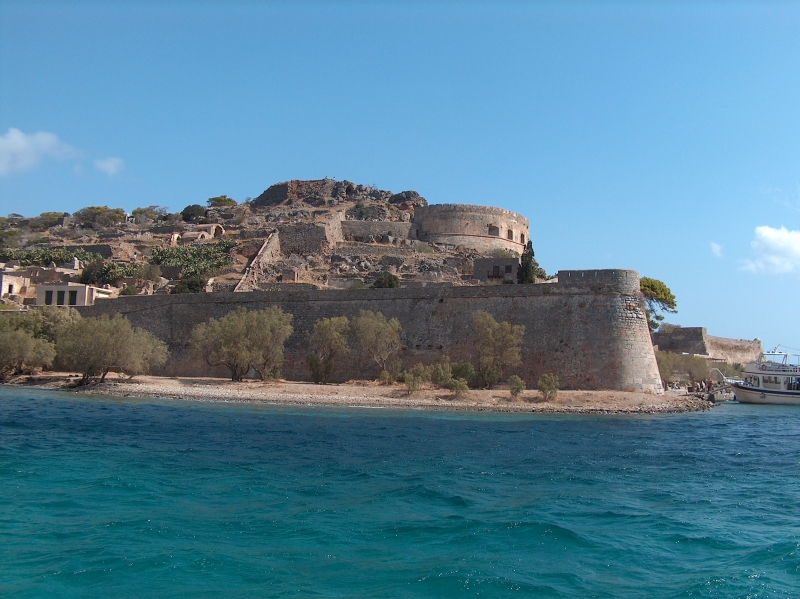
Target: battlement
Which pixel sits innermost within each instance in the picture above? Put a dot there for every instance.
(609, 280)
(484, 228)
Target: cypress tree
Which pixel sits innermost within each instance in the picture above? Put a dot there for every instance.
(529, 268)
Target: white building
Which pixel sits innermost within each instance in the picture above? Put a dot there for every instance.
(69, 294)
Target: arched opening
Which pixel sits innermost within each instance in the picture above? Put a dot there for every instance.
(510, 235)
(522, 238)
(494, 231)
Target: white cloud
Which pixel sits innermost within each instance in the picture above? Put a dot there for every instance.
(22, 151)
(777, 251)
(716, 249)
(110, 166)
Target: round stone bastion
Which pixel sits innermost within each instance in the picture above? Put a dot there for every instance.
(483, 228)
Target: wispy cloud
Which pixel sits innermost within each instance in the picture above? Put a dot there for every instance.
(777, 251)
(24, 151)
(716, 249)
(110, 166)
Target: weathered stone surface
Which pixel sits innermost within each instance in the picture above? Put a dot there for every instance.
(589, 328)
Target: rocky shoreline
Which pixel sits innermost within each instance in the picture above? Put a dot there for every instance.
(368, 394)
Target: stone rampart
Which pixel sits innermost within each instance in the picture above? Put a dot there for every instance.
(360, 229)
(592, 337)
(311, 238)
(696, 340)
(483, 228)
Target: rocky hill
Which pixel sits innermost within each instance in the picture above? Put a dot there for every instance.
(325, 233)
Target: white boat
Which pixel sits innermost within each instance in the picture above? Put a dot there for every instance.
(772, 379)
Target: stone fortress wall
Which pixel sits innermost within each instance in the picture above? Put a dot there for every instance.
(483, 228)
(589, 327)
(696, 340)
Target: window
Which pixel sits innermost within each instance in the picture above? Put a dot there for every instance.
(508, 269)
(510, 235)
(494, 231)
(73, 297)
(772, 382)
(48, 298)
(522, 239)
(495, 271)
(60, 298)
(10, 289)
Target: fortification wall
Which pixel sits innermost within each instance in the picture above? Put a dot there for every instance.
(360, 229)
(696, 340)
(591, 331)
(311, 238)
(482, 228)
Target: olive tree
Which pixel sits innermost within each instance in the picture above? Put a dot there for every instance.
(21, 351)
(328, 342)
(376, 335)
(242, 340)
(96, 346)
(499, 346)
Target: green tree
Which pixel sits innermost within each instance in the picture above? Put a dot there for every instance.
(242, 340)
(46, 322)
(378, 337)
(328, 342)
(499, 346)
(99, 216)
(45, 220)
(21, 351)
(658, 298)
(191, 285)
(149, 213)
(96, 346)
(221, 202)
(515, 386)
(270, 330)
(192, 212)
(529, 269)
(386, 280)
(548, 386)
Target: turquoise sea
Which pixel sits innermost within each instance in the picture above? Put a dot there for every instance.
(108, 497)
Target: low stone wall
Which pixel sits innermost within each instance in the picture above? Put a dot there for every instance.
(591, 331)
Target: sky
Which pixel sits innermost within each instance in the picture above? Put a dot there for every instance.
(657, 136)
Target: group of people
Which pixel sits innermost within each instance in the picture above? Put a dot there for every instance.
(698, 387)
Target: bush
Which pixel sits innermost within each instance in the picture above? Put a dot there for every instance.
(442, 374)
(499, 346)
(198, 261)
(45, 255)
(190, 286)
(99, 272)
(515, 386)
(46, 322)
(463, 369)
(328, 342)
(95, 346)
(679, 366)
(221, 202)
(130, 290)
(148, 272)
(149, 213)
(459, 387)
(386, 280)
(548, 385)
(376, 336)
(192, 212)
(242, 340)
(385, 378)
(99, 216)
(21, 351)
(413, 382)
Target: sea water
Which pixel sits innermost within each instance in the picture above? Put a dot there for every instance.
(109, 497)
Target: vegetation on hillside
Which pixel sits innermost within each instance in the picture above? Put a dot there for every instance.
(198, 261)
(46, 255)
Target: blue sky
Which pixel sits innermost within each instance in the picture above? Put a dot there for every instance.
(663, 137)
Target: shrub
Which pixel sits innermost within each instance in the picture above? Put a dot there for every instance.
(95, 346)
(515, 386)
(130, 290)
(148, 272)
(46, 322)
(198, 261)
(463, 369)
(149, 213)
(459, 387)
(376, 335)
(99, 216)
(548, 385)
(385, 378)
(242, 340)
(192, 212)
(386, 280)
(193, 285)
(499, 346)
(413, 382)
(328, 342)
(99, 272)
(221, 201)
(20, 350)
(442, 374)
(45, 255)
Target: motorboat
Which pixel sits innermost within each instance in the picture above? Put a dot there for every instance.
(772, 379)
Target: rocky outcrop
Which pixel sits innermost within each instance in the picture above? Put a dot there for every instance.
(329, 192)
